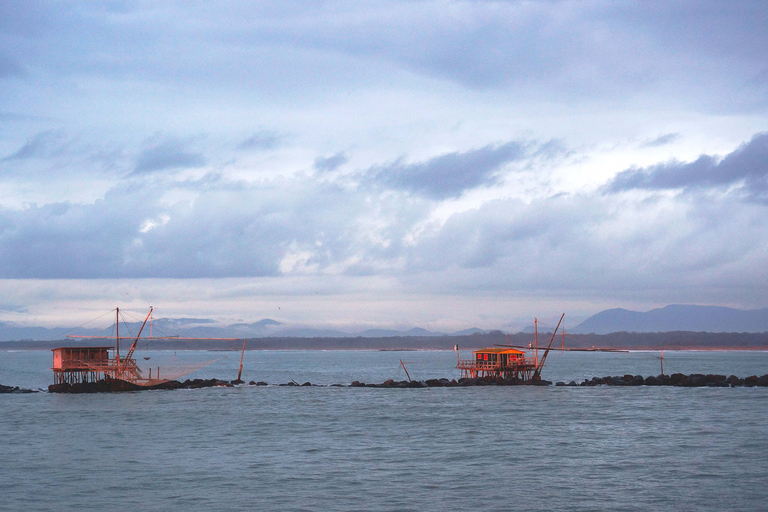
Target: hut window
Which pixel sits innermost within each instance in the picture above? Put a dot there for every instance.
(485, 356)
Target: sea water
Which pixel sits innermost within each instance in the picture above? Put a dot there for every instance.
(342, 448)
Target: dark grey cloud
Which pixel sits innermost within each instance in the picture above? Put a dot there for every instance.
(330, 163)
(661, 140)
(448, 175)
(262, 140)
(43, 145)
(695, 52)
(746, 166)
(168, 155)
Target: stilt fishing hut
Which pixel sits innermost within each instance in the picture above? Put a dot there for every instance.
(75, 365)
(506, 362)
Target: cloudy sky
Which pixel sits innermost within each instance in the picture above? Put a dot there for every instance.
(440, 164)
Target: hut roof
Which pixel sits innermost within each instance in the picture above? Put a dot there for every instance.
(499, 350)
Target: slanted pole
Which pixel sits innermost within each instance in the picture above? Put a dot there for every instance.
(240, 371)
(540, 364)
(406, 371)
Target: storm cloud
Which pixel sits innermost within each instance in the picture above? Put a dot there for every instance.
(747, 166)
(448, 175)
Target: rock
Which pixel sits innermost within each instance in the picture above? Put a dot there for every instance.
(306, 384)
(735, 381)
(696, 380)
(559, 383)
(434, 383)
(678, 379)
(652, 381)
(637, 380)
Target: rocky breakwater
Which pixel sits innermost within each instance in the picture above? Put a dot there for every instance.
(694, 380)
(445, 383)
(15, 389)
(104, 386)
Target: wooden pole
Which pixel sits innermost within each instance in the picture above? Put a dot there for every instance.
(240, 372)
(406, 371)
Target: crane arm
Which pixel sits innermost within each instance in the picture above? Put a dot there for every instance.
(133, 345)
(537, 372)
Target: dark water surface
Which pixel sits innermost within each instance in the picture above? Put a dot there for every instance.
(330, 448)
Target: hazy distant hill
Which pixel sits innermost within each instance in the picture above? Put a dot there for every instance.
(676, 318)
(207, 328)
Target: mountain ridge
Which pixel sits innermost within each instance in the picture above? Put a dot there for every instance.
(676, 317)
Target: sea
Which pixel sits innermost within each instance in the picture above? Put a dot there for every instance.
(324, 447)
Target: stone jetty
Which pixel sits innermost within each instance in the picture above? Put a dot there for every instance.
(694, 380)
(15, 389)
(676, 379)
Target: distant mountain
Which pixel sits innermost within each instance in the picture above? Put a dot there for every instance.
(677, 317)
(469, 332)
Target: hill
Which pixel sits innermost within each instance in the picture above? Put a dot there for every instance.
(676, 317)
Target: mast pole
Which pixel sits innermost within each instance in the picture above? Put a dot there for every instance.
(536, 338)
(117, 334)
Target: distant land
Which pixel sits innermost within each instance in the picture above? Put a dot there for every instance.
(677, 317)
(674, 325)
(680, 340)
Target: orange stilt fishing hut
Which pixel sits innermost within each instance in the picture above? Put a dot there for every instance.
(74, 365)
(506, 362)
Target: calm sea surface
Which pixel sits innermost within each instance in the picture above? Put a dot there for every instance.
(442, 449)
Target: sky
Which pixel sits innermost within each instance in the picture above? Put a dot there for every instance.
(391, 164)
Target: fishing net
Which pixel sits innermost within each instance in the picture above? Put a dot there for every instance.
(163, 371)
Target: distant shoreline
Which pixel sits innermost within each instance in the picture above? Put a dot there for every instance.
(677, 340)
